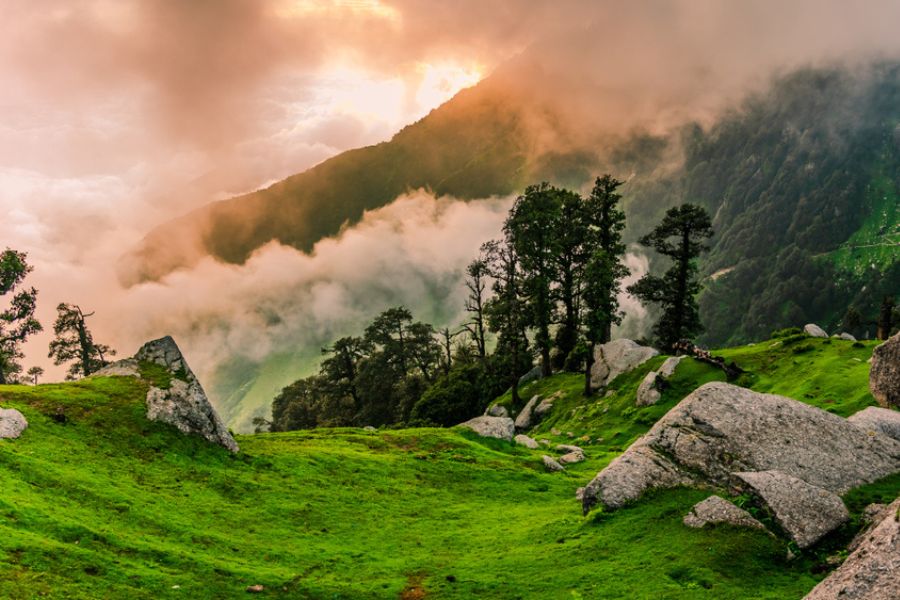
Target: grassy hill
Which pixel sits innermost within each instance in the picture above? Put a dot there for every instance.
(99, 502)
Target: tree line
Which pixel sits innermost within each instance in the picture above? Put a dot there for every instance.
(73, 342)
(547, 289)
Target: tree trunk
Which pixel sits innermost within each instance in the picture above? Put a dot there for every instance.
(588, 363)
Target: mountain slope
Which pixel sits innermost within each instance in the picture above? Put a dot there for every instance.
(98, 501)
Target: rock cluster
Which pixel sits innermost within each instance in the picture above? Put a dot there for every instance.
(872, 571)
(722, 434)
(617, 357)
(12, 423)
(884, 376)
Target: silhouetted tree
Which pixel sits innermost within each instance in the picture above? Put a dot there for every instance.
(680, 236)
(476, 284)
(17, 321)
(34, 373)
(74, 342)
(571, 248)
(885, 318)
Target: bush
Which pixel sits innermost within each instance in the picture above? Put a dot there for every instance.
(454, 398)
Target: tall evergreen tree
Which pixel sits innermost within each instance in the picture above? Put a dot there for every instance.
(74, 342)
(476, 284)
(681, 237)
(604, 269)
(571, 249)
(17, 321)
(530, 228)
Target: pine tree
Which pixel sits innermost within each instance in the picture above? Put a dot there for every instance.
(74, 342)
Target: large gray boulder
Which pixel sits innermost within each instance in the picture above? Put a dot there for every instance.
(872, 571)
(501, 428)
(805, 512)
(182, 403)
(884, 376)
(12, 423)
(648, 391)
(716, 510)
(720, 428)
(882, 420)
(814, 330)
(617, 357)
(523, 419)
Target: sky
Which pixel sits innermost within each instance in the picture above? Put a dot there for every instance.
(118, 115)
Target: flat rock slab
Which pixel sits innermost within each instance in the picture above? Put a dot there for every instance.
(872, 571)
(806, 512)
(121, 368)
(12, 423)
(720, 428)
(667, 369)
(715, 510)
(881, 420)
(617, 357)
(501, 428)
(648, 392)
(884, 376)
(524, 440)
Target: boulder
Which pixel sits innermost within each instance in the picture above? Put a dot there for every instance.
(721, 428)
(551, 464)
(648, 393)
(12, 423)
(668, 367)
(872, 571)
(569, 448)
(806, 512)
(884, 376)
(814, 330)
(881, 420)
(617, 357)
(501, 428)
(183, 403)
(715, 510)
(846, 336)
(523, 419)
(524, 440)
(496, 410)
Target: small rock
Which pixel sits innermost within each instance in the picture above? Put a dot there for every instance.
(255, 589)
(523, 420)
(647, 392)
(555, 431)
(715, 510)
(806, 512)
(570, 434)
(551, 464)
(532, 375)
(369, 428)
(668, 367)
(585, 438)
(814, 330)
(524, 440)
(545, 442)
(545, 406)
(12, 423)
(501, 428)
(847, 336)
(579, 494)
(569, 448)
(121, 368)
(571, 458)
(497, 410)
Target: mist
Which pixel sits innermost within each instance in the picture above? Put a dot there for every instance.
(119, 116)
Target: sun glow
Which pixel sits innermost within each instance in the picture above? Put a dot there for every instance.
(293, 9)
(440, 82)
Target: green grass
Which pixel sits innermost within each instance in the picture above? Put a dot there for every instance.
(98, 502)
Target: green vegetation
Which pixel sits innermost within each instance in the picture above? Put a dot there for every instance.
(98, 501)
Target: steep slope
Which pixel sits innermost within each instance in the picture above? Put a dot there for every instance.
(98, 501)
